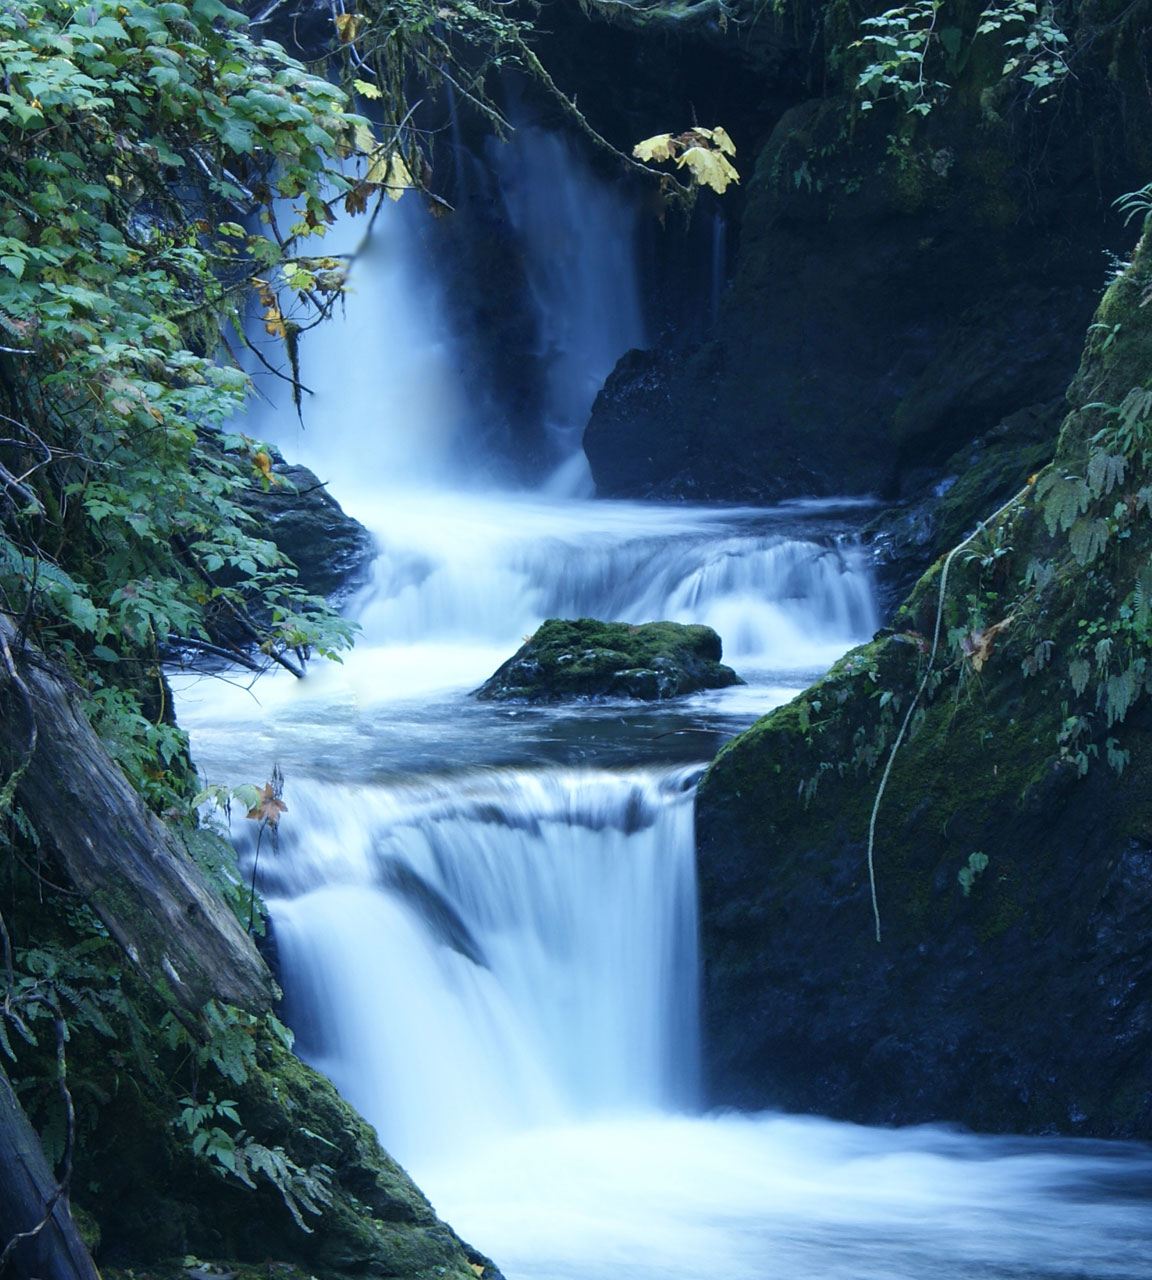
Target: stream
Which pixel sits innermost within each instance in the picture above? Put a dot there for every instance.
(485, 913)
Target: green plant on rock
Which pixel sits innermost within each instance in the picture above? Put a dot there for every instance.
(972, 870)
(911, 49)
(901, 43)
(233, 1152)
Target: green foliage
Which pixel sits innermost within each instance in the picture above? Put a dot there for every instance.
(915, 52)
(900, 43)
(225, 1039)
(134, 135)
(233, 1152)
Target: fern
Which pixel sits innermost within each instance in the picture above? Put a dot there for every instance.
(1066, 499)
(1120, 691)
(1105, 472)
(1142, 598)
(1087, 539)
(1134, 202)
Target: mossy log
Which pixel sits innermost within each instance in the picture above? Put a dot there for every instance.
(125, 862)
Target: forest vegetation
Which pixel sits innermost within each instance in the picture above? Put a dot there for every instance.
(168, 175)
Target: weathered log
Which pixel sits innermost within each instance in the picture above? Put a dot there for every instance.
(127, 864)
(31, 1205)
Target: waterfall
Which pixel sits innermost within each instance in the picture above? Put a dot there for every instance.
(579, 244)
(471, 956)
(485, 914)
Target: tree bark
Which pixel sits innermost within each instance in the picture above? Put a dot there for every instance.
(53, 1249)
(134, 872)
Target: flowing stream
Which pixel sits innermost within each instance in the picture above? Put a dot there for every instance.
(486, 914)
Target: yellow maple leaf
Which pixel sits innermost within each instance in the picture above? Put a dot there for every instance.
(709, 168)
(399, 179)
(661, 147)
(363, 138)
(367, 90)
(723, 141)
(273, 321)
(347, 26)
(390, 172)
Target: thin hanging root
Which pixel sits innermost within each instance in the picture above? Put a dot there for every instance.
(912, 705)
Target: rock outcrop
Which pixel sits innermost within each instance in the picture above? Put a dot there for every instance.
(584, 658)
(331, 550)
(1005, 978)
(902, 283)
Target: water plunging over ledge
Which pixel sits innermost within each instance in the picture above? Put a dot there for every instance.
(486, 913)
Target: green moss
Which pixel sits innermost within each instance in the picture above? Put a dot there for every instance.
(585, 658)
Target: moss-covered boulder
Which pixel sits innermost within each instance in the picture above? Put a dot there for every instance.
(583, 658)
(989, 759)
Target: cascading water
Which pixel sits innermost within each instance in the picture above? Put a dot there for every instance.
(586, 318)
(485, 913)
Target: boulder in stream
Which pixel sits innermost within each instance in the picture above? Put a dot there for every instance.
(584, 658)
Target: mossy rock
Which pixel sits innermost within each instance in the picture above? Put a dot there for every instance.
(584, 658)
(1009, 985)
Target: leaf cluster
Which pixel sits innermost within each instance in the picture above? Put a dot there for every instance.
(141, 143)
(915, 52)
(703, 152)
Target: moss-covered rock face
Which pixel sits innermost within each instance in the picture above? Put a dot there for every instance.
(325, 1201)
(1011, 837)
(584, 658)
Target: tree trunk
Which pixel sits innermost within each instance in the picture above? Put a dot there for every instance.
(133, 871)
(27, 1187)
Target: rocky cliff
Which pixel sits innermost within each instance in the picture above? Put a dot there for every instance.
(905, 278)
(926, 884)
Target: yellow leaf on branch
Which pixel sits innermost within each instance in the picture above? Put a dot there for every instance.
(348, 26)
(709, 168)
(363, 139)
(273, 321)
(390, 172)
(721, 139)
(661, 147)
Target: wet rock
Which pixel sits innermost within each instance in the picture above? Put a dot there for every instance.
(1001, 976)
(895, 296)
(585, 658)
(331, 550)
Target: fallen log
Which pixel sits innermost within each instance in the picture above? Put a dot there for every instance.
(133, 871)
(37, 1234)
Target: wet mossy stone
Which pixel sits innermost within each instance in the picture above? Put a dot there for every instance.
(584, 658)
(1001, 977)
